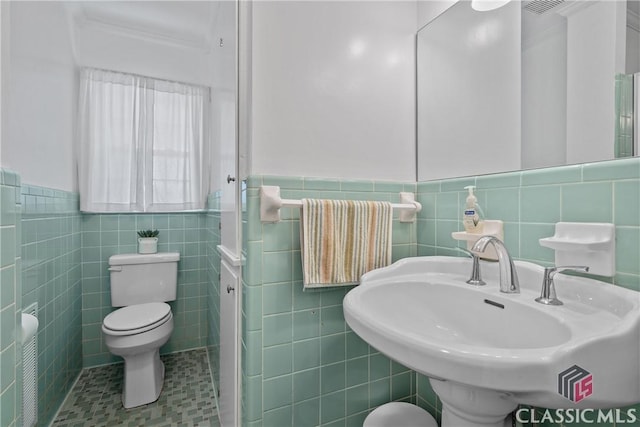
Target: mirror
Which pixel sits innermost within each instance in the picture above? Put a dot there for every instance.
(532, 84)
(45, 43)
(168, 40)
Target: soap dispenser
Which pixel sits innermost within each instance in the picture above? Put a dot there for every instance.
(470, 216)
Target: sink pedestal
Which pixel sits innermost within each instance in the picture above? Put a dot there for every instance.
(466, 406)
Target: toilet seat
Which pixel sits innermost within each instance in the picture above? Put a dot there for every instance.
(135, 319)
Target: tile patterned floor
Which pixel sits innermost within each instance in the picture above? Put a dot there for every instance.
(187, 397)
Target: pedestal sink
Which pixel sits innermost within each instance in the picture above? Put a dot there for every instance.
(485, 352)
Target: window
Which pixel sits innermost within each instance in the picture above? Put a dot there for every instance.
(142, 144)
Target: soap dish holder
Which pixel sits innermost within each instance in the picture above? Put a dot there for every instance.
(591, 244)
(491, 227)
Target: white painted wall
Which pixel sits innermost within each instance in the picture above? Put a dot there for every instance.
(633, 52)
(332, 87)
(633, 39)
(50, 40)
(41, 88)
(223, 88)
(130, 52)
(4, 71)
(245, 31)
(469, 93)
(223, 138)
(544, 90)
(595, 42)
(428, 10)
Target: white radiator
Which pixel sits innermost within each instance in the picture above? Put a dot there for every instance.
(30, 366)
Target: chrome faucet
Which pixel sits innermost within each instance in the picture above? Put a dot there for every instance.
(508, 276)
(548, 293)
(475, 279)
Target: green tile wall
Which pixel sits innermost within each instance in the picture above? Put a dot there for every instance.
(530, 203)
(623, 146)
(301, 363)
(10, 301)
(104, 235)
(51, 276)
(54, 255)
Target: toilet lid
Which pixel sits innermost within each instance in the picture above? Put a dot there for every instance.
(136, 316)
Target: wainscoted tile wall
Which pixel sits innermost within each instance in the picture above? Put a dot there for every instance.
(52, 254)
(51, 276)
(301, 363)
(104, 235)
(530, 203)
(10, 300)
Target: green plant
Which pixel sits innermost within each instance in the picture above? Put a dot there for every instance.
(148, 233)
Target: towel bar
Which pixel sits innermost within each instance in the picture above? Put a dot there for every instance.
(271, 202)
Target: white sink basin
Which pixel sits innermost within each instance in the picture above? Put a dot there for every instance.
(420, 312)
(429, 310)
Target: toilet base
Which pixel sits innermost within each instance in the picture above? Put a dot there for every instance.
(399, 414)
(143, 379)
(143, 369)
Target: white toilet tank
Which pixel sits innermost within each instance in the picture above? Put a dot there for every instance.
(142, 278)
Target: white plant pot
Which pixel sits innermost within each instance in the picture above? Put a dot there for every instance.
(147, 245)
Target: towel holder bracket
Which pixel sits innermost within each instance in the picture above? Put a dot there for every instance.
(271, 203)
(408, 207)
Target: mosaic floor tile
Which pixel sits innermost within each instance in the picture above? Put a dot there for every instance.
(187, 397)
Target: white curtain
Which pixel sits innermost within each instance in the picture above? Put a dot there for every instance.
(142, 144)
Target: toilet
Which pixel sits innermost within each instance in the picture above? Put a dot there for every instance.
(141, 284)
(399, 414)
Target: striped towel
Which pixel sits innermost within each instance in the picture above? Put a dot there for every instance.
(343, 239)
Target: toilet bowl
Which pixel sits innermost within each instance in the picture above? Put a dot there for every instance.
(136, 333)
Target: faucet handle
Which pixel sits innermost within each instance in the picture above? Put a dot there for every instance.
(548, 292)
(475, 279)
(551, 271)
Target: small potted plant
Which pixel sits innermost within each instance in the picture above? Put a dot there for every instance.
(148, 241)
